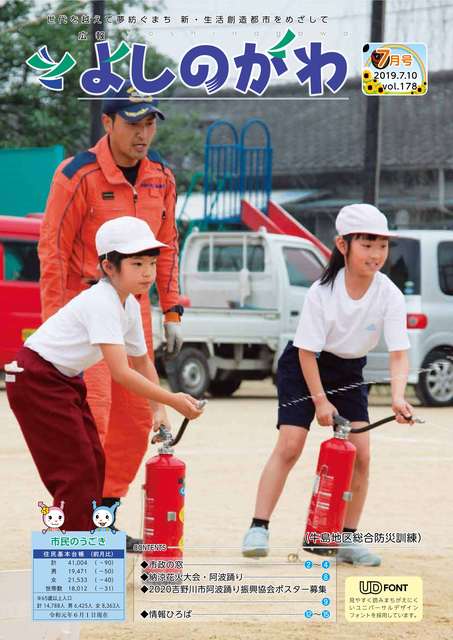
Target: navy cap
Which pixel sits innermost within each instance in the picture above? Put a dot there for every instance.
(130, 104)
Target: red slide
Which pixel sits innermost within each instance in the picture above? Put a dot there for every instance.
(278, 221)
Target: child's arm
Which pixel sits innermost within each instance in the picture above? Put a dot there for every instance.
(145, 366)
(116, 359)
(325, 410)
(399, 369)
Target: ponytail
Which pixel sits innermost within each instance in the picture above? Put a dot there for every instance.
(336, 263)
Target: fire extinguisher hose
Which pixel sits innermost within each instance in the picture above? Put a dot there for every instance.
(374, 424)
(180, 433)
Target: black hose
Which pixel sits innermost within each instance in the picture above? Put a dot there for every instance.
(180, 433)
(340, 421)
(373, 425)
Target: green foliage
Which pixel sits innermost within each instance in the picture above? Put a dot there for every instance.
(32, 116)
(179, 140)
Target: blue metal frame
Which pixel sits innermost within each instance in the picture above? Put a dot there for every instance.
(221, 175)
(256, 167)
(234, 171)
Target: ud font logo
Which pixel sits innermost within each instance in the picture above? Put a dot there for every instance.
(375, 587)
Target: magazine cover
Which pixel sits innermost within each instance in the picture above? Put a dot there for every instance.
(226, 303)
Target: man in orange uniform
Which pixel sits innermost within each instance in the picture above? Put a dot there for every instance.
(119, 176)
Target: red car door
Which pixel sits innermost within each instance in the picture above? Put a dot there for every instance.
(20, 307)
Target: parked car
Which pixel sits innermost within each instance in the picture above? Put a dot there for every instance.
(421, 265)
(20, 307)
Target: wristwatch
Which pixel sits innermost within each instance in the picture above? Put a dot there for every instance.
(177, 308)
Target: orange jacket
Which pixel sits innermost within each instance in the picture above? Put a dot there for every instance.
(87, 190)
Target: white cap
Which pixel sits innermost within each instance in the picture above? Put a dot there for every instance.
(125, 235)
(362, 218)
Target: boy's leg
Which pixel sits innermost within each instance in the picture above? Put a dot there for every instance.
(98, 451)
(291, 440)
(48, 410)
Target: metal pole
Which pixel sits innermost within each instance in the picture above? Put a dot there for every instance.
(441, 184)
(96, 129)
(372, 128)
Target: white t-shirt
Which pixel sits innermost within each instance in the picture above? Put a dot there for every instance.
(332, 321)
(69, 339)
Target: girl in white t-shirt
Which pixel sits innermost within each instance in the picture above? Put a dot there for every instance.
(45, 384)
(343, 316)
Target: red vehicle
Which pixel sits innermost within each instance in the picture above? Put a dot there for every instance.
(20, 305)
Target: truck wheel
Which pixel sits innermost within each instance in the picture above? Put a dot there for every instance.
(435, 387)
(224, 388)
(188, 372)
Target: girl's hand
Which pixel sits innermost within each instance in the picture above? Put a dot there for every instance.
(188, 406)
(325, 411)
(403, 411)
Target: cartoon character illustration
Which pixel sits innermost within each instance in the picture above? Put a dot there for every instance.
(53, 517)
(104, 517)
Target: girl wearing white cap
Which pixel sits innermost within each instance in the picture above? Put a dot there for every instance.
(343, 316)
(45, 384)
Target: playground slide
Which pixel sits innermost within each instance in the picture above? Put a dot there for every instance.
(253, 218)
(278, 221)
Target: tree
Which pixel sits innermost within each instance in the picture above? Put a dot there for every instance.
(34, 116)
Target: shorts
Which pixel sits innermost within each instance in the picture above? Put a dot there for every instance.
(335, 372)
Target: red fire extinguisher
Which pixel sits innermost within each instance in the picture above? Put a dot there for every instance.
(163, 527)
(332, 487)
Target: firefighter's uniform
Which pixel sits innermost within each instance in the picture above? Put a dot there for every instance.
(87, 190)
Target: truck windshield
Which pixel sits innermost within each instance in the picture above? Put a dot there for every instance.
(403, 264)
(302, 265)
(229, 257)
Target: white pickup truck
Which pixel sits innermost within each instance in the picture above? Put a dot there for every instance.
(246, 291)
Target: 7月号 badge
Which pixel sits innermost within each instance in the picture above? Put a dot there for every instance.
(391, 69)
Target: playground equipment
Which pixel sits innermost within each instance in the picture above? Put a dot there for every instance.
(237, 183)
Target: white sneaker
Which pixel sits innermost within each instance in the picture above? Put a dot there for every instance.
(256, 543)
(357, 554)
